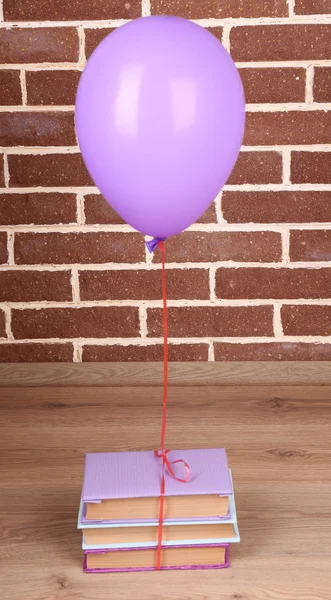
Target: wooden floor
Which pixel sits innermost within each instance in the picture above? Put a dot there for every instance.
(279, 447)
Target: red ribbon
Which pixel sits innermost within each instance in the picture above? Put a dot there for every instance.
(163, 453)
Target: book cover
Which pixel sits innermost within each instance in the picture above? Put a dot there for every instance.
(117, 475)
(215, 564)
(235, 538)
(84, 523)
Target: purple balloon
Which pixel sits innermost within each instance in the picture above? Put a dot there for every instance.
(160, 115)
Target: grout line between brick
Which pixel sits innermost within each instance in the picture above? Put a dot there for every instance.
(175, 341)
(143, 321)
(10, 249)
(244, 187)
(286, 246)
(75, 285)
(23, 87)
(80, 210)
(195, 228)
(6, 170)
(146, 10)
(218, 207)
(9, 333)
(286, 165)
(1, 11)
(277, 322)
(264, 107)
(291, 6)
(143, 305)
(78, 352)
(212, 283)
(208, 22)
(288, 107)
(170, 266)
(81, 41)
(226, 37)
(75, 150)
(74, 66)
(211, 353)
(310, 84)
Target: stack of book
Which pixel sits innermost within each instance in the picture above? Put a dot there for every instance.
(119, 511)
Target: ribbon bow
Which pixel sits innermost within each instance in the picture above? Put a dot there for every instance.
(167, 463)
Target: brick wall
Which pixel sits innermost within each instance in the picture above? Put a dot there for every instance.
(250, 281)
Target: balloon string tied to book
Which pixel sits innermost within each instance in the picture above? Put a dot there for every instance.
(163, 453)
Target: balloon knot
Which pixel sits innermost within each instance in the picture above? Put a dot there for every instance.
(153, 244)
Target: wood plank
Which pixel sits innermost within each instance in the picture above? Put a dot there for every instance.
(151, 374)
(279, 448)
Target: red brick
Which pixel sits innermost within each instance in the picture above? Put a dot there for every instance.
(13, 353)
(98, 211)
(216, 31)
(93, 37)
(251, 283)
(313, 245)
(10, 86)
(52, 87)
(209, 216)
(39, 45)
(3, 247)
(293, 127)
(311, 167)
(273, 85)
(38, 208)
(62, 248)
(48, 170)
(98, 322)
(280, 42)
(322, 84)
(2, 174)
(2, 325)
(202, 321)
(276, 207)
(252, 246)
(217, 9)
(37, 129)
(272, 351)
(177, 352)
(312, 7)
(144, 285)
(257, 168)
(32, 286)
(75, 10)
(306, 319)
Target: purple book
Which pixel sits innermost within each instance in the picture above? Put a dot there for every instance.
(115, 475)
(216, 565)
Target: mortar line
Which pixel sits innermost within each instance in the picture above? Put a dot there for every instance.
(7, 310)
(146, 8)
(277, 321)
(143, 321)
(208, 22)
(175, 341)
(81, 42)
(211, 353)
(10, 249)
(23, 87)
(310, 84)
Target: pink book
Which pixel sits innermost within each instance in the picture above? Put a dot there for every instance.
(217, 553)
